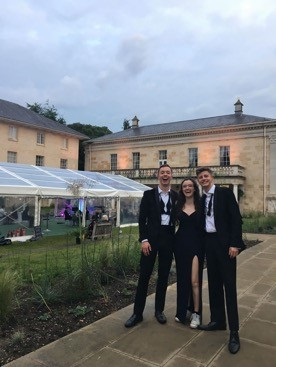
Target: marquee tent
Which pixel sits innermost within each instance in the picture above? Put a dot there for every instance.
(45, 182)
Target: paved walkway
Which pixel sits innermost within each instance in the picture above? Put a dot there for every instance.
(107, 343)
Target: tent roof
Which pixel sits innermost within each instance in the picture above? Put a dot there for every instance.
(31, 180)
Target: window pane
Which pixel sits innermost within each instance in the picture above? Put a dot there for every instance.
(40, 160)
(11, 157)
(63, 163)
(113, 162)
(162, 155)
(65, 143)
(136, 160)
(12, 132)
(40, 138)
(193, 157)
(224, 155)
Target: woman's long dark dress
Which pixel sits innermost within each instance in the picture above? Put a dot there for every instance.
(188, 243)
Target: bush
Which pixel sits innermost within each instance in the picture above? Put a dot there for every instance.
(8, 284)
(254, 222)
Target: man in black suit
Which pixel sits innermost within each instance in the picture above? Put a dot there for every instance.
(156, 234)
(223, 243)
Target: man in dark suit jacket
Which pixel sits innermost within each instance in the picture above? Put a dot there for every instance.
(156, 234)
(223, 243)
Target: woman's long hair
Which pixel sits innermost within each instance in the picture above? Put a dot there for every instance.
(182, 199)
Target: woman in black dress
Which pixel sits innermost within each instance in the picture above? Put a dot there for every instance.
(189, 253)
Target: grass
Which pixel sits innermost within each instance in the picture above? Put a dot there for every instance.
(56, 269)
(57, 253)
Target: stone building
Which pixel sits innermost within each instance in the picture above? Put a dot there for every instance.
(240, 148)
(29, 138)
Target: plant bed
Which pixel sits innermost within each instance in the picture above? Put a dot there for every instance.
(33, 325)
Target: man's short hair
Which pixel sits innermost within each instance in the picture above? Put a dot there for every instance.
(204, 169)
(162, 166)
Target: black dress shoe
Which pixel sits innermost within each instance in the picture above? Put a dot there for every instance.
(234, 342)
(161, 317)
(133, 320)
(212, 326)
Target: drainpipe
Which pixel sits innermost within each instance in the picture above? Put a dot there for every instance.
(90, 157)
(264, 170)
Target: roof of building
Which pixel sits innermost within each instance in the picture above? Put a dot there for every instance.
(15, 112)
(236, 119)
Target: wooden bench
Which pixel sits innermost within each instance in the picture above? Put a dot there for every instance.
(102, 230)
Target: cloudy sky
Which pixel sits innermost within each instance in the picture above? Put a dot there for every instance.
(100, 62)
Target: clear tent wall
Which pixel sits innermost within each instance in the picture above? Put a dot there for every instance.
(32, 195)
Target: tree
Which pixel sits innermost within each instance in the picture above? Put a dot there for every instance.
(91, 131)
(126, 124)
(47, 111)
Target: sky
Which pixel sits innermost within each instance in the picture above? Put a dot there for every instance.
(100, 62)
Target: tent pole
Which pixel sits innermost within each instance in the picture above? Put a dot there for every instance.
(37, 210)
(118, 211)
(84, 210)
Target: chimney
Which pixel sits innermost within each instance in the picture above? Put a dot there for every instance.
(135, 122)
(238, 107)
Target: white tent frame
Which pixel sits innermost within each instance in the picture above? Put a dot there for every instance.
(45, 182)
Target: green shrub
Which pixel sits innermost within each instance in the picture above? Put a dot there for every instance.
(254, 222)
(8, 284)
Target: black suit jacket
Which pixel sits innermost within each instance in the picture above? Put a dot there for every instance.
(149, 221)
(227, 218)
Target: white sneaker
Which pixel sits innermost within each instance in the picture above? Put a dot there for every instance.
(177, 320)
(195, 320)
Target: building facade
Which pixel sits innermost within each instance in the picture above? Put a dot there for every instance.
(29, 138)
(240, 148)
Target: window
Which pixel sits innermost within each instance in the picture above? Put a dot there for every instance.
(39, 160)
(192, 157)
(40, 138)
(113, 162)
(12, 133)
(224, 155)
(162, 156)
(65, 143)
(63, 163)
(136, 160)
(11, 157)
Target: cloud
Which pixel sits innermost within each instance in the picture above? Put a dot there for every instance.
(100, 62)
